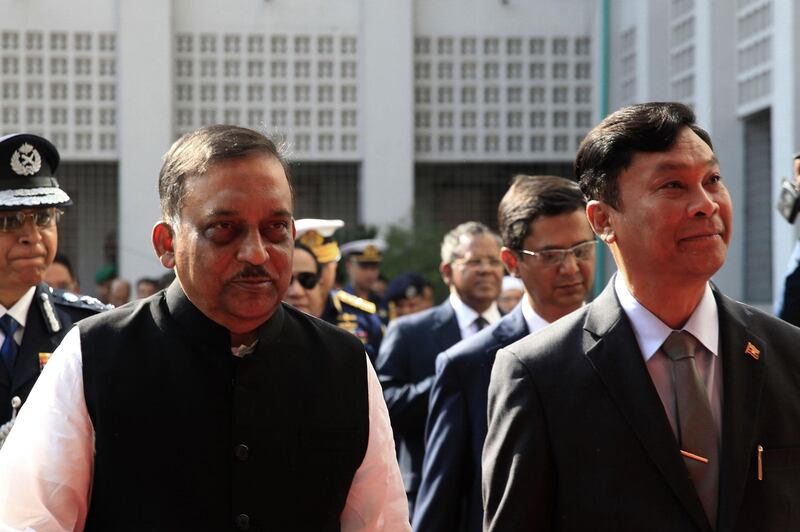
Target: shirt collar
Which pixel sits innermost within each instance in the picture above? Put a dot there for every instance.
(532, 319)
(19, 310)
(466, 315)
(651, 332)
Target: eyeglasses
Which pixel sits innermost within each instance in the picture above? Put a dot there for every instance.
(553, 257)
(487, 262)
(42, 218)
(307, 280)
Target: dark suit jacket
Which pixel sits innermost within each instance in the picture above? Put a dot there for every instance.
(39, 337)
(449, 497)
(578, 438)
(405, 367)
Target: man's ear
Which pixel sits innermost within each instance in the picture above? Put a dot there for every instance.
(163, 237)
(600, 218)
(446, 269)
(511, 260)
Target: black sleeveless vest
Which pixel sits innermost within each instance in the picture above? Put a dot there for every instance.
(189, 437)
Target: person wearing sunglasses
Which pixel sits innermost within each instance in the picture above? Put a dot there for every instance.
(338, 307)
(302, 293)
(33, 316)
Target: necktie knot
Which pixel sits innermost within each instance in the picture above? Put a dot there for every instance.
(679, 345)
(8, 324)
(480, 322)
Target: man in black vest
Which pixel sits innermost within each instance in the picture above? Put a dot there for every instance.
(209, 405)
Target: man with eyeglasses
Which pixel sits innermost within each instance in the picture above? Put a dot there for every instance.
(549, 245)
(33, 316)
(472, 269)
(662, 405)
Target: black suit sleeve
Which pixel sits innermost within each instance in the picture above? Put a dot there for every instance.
(518, 474)
(406, 399)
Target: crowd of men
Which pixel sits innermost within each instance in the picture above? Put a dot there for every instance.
(252, 393)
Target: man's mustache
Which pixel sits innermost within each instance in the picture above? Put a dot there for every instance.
(250, 272)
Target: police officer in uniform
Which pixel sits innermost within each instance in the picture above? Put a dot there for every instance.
(350, 312)
(363, 260)
(33, 316)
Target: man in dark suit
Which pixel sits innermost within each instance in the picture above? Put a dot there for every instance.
(663, 405)
(548, 244)
(472, 268)
(33, 316)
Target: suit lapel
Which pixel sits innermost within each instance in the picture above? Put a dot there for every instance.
(511, 328)
(612, 350)
(446, 326)
(743, 379)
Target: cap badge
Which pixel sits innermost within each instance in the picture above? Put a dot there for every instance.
(26, 160)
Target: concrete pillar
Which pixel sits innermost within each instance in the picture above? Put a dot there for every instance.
(387, 108)
(145, 127)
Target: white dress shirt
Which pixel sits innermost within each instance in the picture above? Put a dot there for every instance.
(532, 319)
(46, 463)
(651, 332)
(466, 316)
(18, 311)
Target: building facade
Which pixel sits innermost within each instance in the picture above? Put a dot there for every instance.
(395, 112)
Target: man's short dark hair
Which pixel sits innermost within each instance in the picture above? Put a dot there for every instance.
(609, 148)
(530, 197)
(193, 154)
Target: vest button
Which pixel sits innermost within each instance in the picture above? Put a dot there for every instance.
(242, 452)
(243, 522)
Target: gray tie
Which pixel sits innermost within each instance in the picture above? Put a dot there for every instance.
(697, 434)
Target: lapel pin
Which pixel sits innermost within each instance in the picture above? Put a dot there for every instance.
(752, 351)
(43, 359)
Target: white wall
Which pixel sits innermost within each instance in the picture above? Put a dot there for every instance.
(145, 120)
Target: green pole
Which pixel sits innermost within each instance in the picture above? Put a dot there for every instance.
(605, 13)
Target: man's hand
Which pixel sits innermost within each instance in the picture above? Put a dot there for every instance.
(797, 169)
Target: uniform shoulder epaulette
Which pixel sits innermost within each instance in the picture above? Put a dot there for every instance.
(69, 299)
(357, 302)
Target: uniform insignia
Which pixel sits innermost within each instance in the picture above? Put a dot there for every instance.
(49, 313)
(752, 351)
(26, 160)
(69, 296)
(355, 301)
(43, 358)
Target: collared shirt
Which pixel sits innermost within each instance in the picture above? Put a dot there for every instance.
(651, 332)
(532, 319)
(18, 311)
(46, 463)
(466, 316)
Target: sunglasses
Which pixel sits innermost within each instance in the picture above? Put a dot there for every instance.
(42, 219)
(307, 280)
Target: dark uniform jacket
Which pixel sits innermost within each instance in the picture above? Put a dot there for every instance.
(189, 437)
(51, 315)
(357, 316)
(579, 440)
